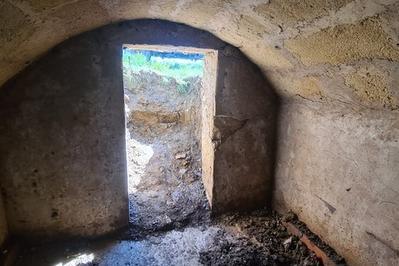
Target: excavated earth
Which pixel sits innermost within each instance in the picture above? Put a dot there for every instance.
(163, 151)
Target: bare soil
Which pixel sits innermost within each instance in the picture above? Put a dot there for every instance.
(163, 150)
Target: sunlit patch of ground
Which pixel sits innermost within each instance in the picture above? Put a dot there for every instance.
(138, 156)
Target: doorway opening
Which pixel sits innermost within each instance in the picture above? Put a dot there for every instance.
(163, 88)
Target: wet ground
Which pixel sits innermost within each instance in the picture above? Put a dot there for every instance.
(258, 238)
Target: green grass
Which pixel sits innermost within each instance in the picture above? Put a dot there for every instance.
(180, 68)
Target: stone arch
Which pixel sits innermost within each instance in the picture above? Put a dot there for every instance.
(284, 39)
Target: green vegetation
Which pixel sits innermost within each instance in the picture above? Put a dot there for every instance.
(179, 66)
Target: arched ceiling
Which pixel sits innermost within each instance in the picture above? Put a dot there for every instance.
(340, 51)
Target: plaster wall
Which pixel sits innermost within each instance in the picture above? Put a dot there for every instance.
(207, 123)
(62, 140)
(338, 170)
(243, 135)
(62, 144)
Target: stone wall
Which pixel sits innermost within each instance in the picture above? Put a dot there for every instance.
(338, 170)
(62, 139)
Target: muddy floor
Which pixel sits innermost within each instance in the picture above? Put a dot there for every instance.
(257, 238)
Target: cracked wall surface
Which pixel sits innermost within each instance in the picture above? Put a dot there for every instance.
(372, 86)
(63, 132)
(345, 44)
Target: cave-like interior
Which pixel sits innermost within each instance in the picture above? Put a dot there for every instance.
(287, 140)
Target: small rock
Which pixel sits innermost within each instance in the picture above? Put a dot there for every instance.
(287, 242)
(182, 171)
(180, 155)
(198, 172)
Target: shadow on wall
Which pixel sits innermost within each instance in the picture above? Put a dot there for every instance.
(245, 134)
(62, 136)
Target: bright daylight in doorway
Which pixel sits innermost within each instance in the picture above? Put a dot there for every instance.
(163, 126)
